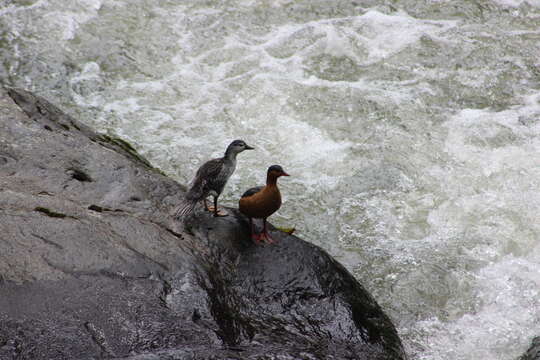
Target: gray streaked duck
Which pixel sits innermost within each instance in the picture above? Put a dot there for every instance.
(210, 179)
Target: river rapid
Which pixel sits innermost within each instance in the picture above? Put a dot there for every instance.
(411, 130)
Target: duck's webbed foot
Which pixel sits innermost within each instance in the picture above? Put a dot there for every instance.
(262, 238)
(257, 238)
(219, 212)
(265, 234)
(267, 237)
(216, 210)
(206, 207)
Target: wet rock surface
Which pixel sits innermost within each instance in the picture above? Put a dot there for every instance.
(93, 266)
(534, 351)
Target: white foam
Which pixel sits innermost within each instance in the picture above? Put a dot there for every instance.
(492, 331)
(12, 8)
(385, 35)
(92, 4)
(469, 128)
(517, 3)
(123, 107)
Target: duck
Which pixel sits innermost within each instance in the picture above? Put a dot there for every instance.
(210, 179)
(262, 201)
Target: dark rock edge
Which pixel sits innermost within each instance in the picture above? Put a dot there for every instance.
(534, 351)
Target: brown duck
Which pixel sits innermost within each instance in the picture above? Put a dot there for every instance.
(262, 201)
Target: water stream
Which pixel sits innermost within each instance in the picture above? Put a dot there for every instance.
(411, 130)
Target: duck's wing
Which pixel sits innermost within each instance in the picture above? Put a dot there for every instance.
(252, 191)
(207, 172)
(210, 169)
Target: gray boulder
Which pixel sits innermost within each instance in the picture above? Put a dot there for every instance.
(93, 266)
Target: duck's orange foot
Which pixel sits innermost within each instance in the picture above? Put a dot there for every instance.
(268, 239)
(257, 238)
(220, 212)
(262, 238)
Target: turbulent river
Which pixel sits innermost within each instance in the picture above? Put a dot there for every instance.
(411, 130)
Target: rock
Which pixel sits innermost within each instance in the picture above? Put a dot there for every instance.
(92, 265)
(534, 351)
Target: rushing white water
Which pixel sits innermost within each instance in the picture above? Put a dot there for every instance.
(411, 130)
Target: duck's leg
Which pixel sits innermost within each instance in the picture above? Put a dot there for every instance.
(206, 205)
(218, 212)
(255, 237)
(265, 233)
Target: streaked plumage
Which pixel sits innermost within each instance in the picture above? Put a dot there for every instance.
(210, 179)
(262, 201)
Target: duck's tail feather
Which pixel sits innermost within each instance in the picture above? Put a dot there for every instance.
(185, 208)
